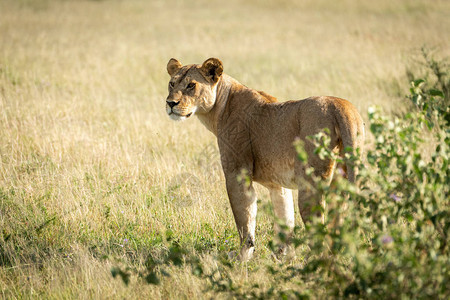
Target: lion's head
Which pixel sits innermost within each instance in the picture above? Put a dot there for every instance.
(192, 88)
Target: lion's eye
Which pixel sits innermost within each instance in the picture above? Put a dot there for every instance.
(191, 85)
(171, 84)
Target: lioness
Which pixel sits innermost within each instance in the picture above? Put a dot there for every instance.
(256, 133)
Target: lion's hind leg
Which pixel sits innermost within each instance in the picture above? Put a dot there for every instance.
(310, 200)
(283, 208)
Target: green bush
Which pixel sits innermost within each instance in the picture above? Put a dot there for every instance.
(391, 241)
(430, 91)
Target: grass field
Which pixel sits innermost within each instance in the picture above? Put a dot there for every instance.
(93, 173)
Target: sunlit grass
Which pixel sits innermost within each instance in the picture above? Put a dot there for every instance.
(88, 155)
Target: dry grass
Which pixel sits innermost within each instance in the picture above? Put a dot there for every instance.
(89, 157)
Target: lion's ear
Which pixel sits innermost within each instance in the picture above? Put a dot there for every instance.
(212, 69)
(173, 66)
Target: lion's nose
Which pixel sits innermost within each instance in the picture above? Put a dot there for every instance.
(172, 103)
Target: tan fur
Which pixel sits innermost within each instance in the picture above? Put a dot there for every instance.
(256, 133)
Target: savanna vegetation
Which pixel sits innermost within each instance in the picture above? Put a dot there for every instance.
(103, 196)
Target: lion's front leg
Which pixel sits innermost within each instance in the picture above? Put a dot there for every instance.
(243, 204)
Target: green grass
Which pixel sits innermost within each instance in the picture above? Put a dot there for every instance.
(89, 158)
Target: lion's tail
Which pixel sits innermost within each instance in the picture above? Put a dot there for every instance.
(352, 138)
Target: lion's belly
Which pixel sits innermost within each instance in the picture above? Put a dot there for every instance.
(274, 161)
(275, 172)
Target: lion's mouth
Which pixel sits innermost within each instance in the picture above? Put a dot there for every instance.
(179, 115)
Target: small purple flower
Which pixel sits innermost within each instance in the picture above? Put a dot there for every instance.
(386, 239)
(125, 241)
(395, 197)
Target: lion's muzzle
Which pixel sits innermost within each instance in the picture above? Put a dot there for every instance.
(177, 113)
